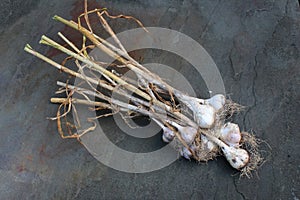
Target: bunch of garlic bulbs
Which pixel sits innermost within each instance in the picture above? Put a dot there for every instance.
(226, 137)
(200, 131)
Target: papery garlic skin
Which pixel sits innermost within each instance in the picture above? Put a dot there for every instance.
(230, 134)
(217, 101)
(184, 152)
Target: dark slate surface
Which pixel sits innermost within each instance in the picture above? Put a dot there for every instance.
(255, 45)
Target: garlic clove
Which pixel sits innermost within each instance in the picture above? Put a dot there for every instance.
(217, 101)
(230, 134)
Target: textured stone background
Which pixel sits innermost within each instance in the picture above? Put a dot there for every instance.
(256, 46)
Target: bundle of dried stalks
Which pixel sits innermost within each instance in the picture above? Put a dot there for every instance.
(197, 125)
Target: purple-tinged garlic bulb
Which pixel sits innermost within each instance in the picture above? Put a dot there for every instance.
(230, 134)
(168, 134)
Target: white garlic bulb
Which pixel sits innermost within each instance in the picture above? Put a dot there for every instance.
(237, 157)
(217, 101)
(230, 134)
(187, 133)
(204, 115)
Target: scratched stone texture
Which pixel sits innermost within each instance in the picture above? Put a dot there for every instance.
(256, 46)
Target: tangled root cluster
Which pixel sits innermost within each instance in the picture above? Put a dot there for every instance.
(251, 144)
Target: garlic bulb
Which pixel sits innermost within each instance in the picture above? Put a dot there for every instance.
(185, 153)
(230, 134)
(206, 144)
(204, 114)
(217, 101)
(237, 157)
(187, 133)
(168, 134)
